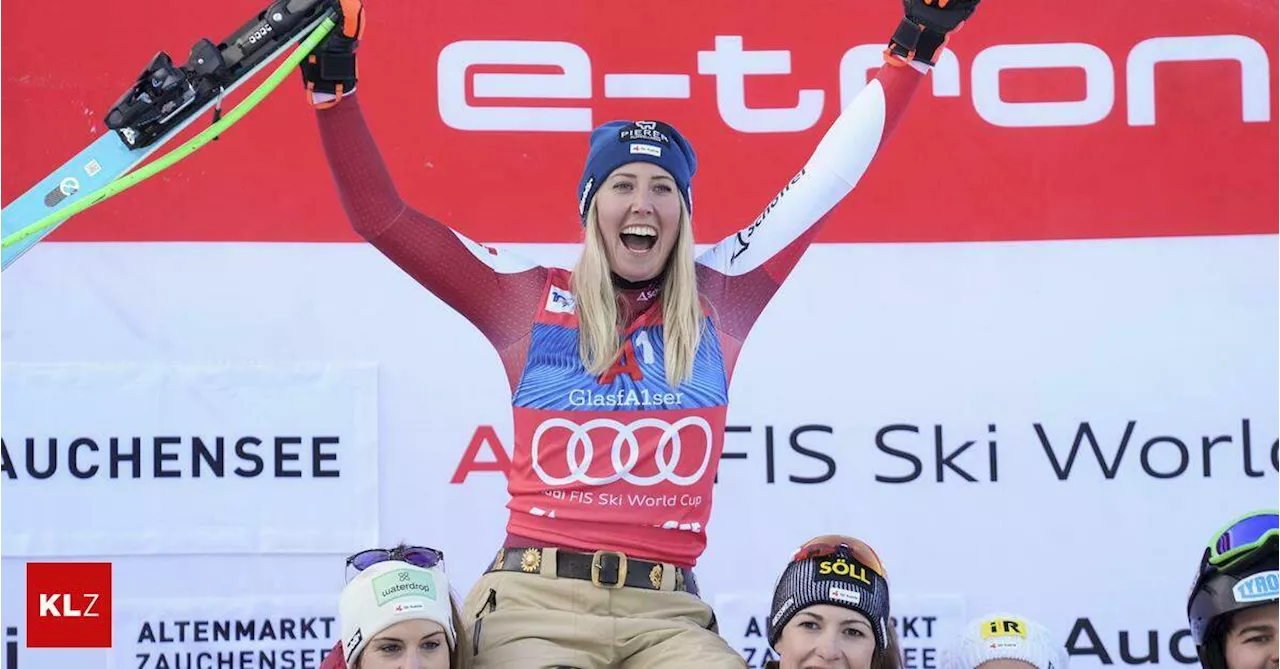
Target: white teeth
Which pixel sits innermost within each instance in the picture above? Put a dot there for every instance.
(640, 230)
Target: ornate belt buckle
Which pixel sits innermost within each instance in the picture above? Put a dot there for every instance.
(597, 562)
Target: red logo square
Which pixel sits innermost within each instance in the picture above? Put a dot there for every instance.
(68, 605)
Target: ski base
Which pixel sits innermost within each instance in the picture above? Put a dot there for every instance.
(93, 168)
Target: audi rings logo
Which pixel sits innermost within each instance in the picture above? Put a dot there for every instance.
(624, 454)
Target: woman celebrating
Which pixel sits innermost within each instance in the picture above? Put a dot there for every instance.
(831, 609)
(619, 370)
(1233, 603)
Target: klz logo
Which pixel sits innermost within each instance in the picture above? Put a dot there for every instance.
(69, 605)
(49, 605)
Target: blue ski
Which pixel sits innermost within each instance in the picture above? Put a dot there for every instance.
(96, 166)
(164, 101)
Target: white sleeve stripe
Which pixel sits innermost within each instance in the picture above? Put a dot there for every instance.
(832, 171)
(502, 262)
(852, 141)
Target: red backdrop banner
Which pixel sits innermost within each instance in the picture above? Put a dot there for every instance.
(1047, 121)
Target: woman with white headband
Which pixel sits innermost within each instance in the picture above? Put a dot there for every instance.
(1005, 641)
(398, 613)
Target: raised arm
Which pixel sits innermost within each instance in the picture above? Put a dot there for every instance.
(740, 274)
(498, 292)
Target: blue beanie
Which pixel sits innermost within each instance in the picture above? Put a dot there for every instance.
(617, 143)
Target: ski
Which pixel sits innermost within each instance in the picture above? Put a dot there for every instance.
(163, 101)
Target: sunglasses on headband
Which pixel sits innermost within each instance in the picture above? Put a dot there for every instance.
(1241, 537)
(854, 548)
(419, 556)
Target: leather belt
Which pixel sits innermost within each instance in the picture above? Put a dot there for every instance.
(605, 569)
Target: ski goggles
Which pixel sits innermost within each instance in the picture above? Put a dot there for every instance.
(834, 544)
(419, 556)
(1241, 537)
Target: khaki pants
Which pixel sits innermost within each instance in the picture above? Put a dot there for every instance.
(541, 621)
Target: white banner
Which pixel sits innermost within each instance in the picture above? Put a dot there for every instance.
(1052, 428)
(13, 613)
(235, 633)
(149, 458)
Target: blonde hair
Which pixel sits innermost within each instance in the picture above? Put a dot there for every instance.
(460, 655)
(599, 340)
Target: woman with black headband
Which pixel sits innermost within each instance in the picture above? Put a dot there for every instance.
(1233, 605)
(831, 609)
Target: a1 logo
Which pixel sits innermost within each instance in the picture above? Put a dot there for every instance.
(627, 362)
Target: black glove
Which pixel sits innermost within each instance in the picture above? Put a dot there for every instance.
(329, 72)
(924, 28)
